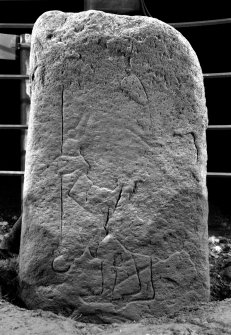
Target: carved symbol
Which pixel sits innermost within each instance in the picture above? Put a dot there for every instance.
(127, 275)
(93, 198)
(114, 274)
(134, 88)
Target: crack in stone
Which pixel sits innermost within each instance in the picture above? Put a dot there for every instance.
(118, 199)
(196, 146)
(170, 280)
(135, 186)
(106, 223)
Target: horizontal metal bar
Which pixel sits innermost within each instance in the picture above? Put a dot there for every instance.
(11, 173)
(205, 75)
(219, 127)
(13, 76)
(14, 126)
(209, 174)
(24, 126)
(200, 23)
(217, 75)
(174, 24)
(16, 25)
(219, 174)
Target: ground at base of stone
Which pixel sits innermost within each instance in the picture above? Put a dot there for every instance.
(205, 319)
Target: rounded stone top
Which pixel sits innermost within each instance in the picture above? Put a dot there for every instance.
(57, 30)
(52, 25)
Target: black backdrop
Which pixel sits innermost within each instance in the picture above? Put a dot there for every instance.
(174, 11)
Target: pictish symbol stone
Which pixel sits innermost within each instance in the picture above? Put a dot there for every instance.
(115, 199)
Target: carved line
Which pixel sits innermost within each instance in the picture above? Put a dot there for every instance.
(61, 207)
(115, 280)
(137, 271)
(62, 112)
(138, 274)
(144, 89)
(85, 160)
(61, 178)
(101, 268)
(140, 138)
(82, 123)
(170, 280)
(129, 57)
(153, 288)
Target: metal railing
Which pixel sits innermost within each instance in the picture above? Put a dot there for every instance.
(189, 24)
(200, 23)
(14, 126)
(13, 76)
(16, 26)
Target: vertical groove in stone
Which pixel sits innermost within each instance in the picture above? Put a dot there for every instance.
(61, 177)
(151, 279)
(62, 112)
(61, 208)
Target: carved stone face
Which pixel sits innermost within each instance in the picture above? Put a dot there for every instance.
(115, 207)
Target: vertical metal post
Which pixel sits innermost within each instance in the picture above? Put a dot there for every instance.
(24, 52)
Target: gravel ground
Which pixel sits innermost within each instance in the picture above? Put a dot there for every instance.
(205, 319)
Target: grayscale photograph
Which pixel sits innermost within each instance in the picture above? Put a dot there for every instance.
(115, 216)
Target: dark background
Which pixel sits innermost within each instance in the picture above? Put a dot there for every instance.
(212, 45)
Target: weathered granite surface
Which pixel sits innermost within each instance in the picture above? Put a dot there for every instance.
(115, 199)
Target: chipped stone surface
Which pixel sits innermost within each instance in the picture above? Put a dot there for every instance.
(115, 198)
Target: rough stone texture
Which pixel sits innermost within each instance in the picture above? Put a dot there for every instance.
(115, 199)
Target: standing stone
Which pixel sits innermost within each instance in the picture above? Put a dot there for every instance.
(115, 199)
